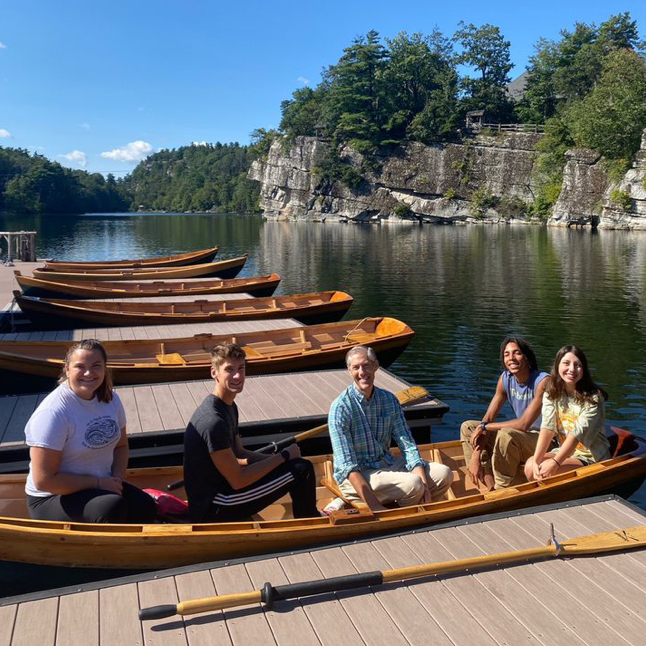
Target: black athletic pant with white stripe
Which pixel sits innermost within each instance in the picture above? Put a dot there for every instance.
(295, 477)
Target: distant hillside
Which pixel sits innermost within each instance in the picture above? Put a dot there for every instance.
(34, 184)
(210, 177)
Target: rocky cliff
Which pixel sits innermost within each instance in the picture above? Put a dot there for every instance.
(487, 178)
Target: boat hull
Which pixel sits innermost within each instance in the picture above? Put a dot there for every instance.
(162, 546)
(53, 314)
(145, 361)
(223, 269)
(179, 260)
(259, 286)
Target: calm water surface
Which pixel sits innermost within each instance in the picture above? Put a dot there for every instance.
(461, 288)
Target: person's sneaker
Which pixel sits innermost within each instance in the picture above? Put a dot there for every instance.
(335, 505)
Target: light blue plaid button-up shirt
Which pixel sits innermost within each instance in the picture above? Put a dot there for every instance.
(362, 431)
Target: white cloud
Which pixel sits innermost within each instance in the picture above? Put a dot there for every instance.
(2, 45)
(199, 143)
(135, 151)
(303, 80)
(4, 134)
(85, 126)
(76, 157)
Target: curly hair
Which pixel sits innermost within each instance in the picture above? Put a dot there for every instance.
(523, 346)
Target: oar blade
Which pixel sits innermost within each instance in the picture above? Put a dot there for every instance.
(622, 539)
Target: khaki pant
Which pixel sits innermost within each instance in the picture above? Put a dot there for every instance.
(503, 454)
(395, 483)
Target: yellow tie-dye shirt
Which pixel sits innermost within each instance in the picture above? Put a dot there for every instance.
(586, 421)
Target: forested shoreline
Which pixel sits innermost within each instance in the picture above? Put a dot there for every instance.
(586, 89)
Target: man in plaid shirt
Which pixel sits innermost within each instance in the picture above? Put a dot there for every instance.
(363, 421)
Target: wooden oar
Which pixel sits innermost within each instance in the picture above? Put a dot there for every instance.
(591, 544)
(405, 397)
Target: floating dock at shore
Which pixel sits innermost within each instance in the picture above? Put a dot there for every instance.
(593, 601)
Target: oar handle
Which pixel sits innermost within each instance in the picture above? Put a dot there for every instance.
(268, 595)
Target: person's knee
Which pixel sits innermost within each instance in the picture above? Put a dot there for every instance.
(466, 430)
(529, 469)
(109, 508)
(412, 488)
(442, 476)
(301, 469)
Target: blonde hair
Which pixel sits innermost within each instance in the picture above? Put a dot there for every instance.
(104, 391)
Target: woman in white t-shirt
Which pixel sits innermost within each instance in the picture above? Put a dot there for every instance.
(79, 448)
(574, 412)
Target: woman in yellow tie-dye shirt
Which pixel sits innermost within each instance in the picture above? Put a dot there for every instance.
(574, 412)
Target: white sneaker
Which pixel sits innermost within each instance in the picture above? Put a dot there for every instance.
(335, 505)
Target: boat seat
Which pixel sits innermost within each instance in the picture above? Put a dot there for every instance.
(171, 359)
(277, 351)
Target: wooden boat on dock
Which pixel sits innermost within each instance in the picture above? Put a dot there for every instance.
(46, 313)
(223, 268)
(169, 545)
(179, 260)
(142, 361)
(52, 288)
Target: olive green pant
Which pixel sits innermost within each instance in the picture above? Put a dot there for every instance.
(504, 452)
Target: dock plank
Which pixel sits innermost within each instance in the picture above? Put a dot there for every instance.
(167, 407)
(118, 619)
(289, 624)
(184, 401)
(36, 623)
(204, 628)
(7, 406)
(247, 624)
(148, 413)
(398, 601)
(129, 401)
(7, 619)
(15, 429)
(161, 632)
(370, 618)
(325, 612)
(78, 619)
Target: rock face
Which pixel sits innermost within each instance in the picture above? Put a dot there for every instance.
(412, 182)
(624, 205)
(484, 179)
(584, 183)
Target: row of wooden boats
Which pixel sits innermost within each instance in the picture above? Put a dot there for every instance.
(182, 543)
(141, 361)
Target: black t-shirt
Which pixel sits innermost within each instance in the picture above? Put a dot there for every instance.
(213, 427)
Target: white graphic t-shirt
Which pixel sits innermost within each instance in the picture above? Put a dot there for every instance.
(85, 431)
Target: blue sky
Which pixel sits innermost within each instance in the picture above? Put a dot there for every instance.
(101, 85)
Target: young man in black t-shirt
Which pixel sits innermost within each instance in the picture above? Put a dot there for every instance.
(225, 481)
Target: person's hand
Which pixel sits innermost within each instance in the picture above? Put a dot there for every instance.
(475, 468)
(427, 496)
(478, 436)
(111, 483)
(536, 468)
(548, 468)
(294, 451)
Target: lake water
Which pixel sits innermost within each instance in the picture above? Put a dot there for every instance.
(461, 288)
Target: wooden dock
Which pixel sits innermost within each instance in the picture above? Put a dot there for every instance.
(271, 406)
(588, 601)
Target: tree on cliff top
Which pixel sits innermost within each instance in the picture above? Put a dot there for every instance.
(485, 49)
(611, 118)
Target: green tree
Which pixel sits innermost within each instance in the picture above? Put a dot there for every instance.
(485, 49)
(611, 118)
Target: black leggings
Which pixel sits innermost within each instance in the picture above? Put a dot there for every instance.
(295, 477)
(95, 506)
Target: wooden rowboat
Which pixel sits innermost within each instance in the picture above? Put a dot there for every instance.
(52, 288)
(319, 307)
(180, 260)
(171, 545)
(223, 268)
(142, 361)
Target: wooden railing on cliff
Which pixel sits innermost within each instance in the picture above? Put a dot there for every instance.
(509, 127)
